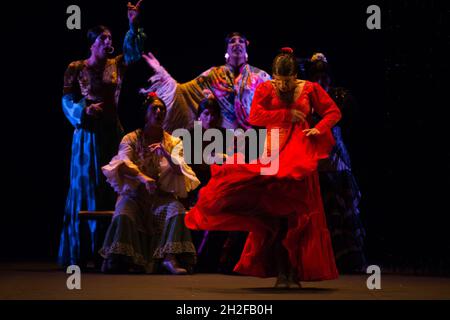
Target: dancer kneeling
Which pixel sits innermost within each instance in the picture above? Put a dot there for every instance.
(149, 174)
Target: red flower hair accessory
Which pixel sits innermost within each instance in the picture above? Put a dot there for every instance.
(152, 95)
(287, 50)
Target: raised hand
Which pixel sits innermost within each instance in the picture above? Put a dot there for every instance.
(133, 11)
(152, 61)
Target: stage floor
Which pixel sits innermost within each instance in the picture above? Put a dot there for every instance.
(46, 281)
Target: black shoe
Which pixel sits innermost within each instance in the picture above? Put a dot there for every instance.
(282, 282)
(172, 266)
(293, 281)
(114, 265)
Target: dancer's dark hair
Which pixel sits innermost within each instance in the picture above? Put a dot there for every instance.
(94, 32)
(285, 63)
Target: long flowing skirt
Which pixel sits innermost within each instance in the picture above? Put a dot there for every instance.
(145, 229)
(238, 197)
(88, 190)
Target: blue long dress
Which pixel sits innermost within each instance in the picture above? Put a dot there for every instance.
(95, 142)
(340, 192)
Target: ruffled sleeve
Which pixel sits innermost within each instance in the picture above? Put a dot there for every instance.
(181, 99)
(121, 183)
(322, 103)
(170, 181)
(260, 115)
(133, 44)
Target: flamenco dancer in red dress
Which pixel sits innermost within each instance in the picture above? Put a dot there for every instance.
(283, 212)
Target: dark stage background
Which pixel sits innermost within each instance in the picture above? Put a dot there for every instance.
(400, 150)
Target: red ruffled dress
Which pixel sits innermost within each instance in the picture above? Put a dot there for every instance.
(238, 197)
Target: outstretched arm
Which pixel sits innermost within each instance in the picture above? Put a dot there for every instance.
(133, 44)
(181, 99)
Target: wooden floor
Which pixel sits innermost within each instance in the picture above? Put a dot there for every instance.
(45, 281)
